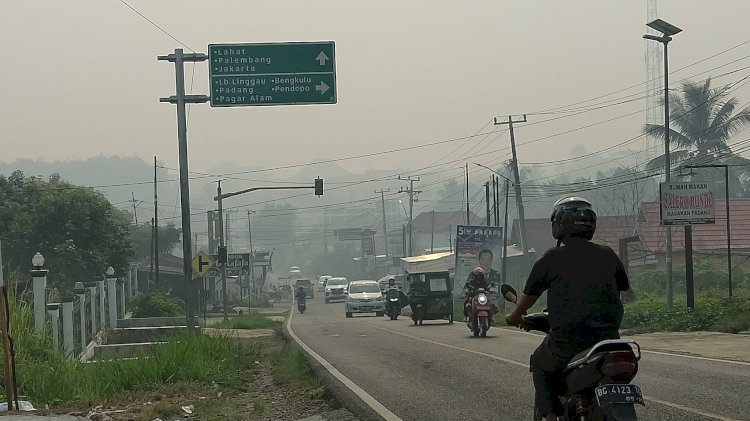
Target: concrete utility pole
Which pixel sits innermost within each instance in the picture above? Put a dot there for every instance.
(487, 201)
(411, 192)
(156, 226)
(432, 234)
(222, 265)
(385, 227)
(505, 235)
(180, 99)
(252, 253)
(136, 203)
(517, 184)
(468, 218)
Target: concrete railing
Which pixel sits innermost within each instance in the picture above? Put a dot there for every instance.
(77, 322)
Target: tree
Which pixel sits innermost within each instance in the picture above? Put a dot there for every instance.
(705, 120)
(169, 236)
(77, 230)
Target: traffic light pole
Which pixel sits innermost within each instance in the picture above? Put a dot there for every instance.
(318, 187)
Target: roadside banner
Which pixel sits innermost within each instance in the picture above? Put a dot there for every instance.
(478, 245)
(687, 203)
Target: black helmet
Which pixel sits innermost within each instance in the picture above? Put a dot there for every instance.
(573, 217)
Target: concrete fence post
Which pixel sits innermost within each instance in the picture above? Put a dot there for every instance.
(80, 291)
(39, 277)
(123, 299)
(102, 316)
(92, 294)
(53, 309)
(112, 301)
(67, 322)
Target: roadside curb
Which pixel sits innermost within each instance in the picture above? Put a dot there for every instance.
(339, 393)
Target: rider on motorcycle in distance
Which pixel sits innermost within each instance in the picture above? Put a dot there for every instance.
(475, 281)
(583, 281)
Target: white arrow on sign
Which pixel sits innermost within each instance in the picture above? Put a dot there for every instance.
(322, 57)
(323, 88)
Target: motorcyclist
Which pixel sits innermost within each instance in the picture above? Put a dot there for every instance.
(391, 285)
(583, 281)
(475, 281)
(301, 295)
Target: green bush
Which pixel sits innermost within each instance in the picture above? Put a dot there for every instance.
(712, 312)
(156, 304)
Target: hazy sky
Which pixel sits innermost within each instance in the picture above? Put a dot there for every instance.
(80, 78)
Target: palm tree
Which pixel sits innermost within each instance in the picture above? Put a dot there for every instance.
(705, 120)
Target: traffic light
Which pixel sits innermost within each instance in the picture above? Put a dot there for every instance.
(223, 254)
(319, 186)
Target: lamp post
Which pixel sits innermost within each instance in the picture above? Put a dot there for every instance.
(112, 297)
(667, 30)
(39, 277)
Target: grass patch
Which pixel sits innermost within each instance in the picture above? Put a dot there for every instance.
(248, 321)
(45, 376)
(712, 312)
(293, 368)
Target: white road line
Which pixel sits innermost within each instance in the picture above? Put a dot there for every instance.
(695, 357)
(495, 357)
(645, 351)
(366, 397)
(688, 409)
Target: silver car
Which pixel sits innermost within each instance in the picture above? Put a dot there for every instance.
(364, 297)
(336, 289)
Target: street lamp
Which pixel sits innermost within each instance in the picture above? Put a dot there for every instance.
(667, 30)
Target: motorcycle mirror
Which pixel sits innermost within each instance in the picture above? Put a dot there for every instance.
(509, 293)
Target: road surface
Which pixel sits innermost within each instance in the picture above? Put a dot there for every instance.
(439, 372)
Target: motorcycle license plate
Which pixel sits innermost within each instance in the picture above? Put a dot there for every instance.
(619, 393)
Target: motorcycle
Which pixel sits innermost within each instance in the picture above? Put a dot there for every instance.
(597, 382)
(301, 305)
(481, 309)
(393, 304)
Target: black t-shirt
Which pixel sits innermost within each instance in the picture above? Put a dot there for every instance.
(583, 281)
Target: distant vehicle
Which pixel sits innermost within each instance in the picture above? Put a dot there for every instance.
(294, 271)
(322, 282)
(365, 297)
(400, 282)
(336, 289)
(306, 284)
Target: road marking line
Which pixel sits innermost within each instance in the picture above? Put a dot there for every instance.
(366, 397)
(688, 409)
(495, 357)
(670, 354)
(695, 357)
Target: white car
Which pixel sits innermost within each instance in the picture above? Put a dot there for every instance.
(336, 289)
(365, 297)
(322, 282)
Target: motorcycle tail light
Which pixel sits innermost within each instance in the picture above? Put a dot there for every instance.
(619, 366)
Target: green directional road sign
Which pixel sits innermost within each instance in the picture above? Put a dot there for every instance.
(272, 74)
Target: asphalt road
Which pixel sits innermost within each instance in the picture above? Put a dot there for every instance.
(439, 371)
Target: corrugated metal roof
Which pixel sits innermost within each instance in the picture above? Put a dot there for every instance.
(705, 236)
